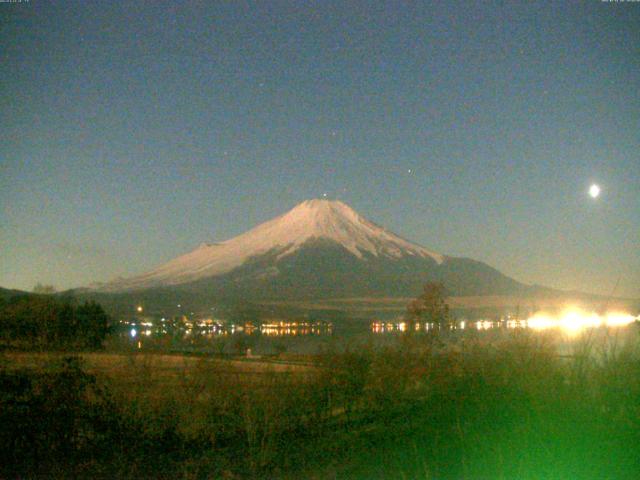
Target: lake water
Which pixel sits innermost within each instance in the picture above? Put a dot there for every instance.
(311, 337)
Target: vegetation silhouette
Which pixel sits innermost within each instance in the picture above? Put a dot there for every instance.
(506, 408)
(430, 307)
(47, 322)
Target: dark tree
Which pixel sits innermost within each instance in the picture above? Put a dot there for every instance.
(43, 321)
(430, 306)
(92, 323)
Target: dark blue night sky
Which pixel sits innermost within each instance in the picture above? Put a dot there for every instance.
(133, 131)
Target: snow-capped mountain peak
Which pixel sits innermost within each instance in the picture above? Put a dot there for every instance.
(313, 219)
(334, 220)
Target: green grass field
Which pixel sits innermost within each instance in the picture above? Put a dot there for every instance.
(472, 409)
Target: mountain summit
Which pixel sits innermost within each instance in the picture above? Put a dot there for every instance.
(310, 220)
(331, 220)
(320, 248)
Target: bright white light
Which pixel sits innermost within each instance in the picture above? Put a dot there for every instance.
(484, 325)
(594, 191)
(133, 332)
(574, 320)
(617, 319)
(540, 322)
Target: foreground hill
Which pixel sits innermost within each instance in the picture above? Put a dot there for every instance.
(7, 294)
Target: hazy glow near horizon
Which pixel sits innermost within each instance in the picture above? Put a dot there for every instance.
(594, 191)
(574, 320)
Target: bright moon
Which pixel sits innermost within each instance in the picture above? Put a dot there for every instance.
(594, 191)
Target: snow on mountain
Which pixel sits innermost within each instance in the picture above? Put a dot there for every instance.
(312, 219)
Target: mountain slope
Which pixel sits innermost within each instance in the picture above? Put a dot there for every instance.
(282, 236)
(324, 269)
(319, 249)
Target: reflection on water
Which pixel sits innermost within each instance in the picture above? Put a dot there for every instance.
(275, 336)
(574, 320)
(211, 330)
(571, 321)
(400, 327)
(185, 331)
(281, 328)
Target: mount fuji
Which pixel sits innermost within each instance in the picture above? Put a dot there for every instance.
(319, 249)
